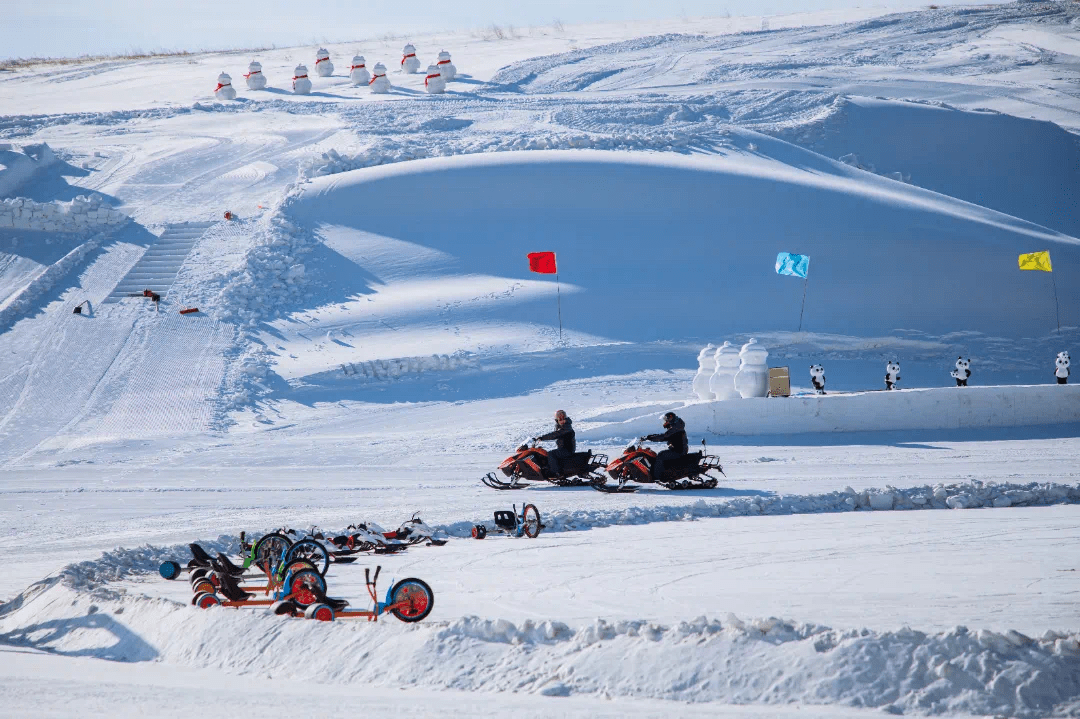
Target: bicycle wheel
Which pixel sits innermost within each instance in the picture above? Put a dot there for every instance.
(270, 550)
(312, 551)
(305, 587)
(416, 598)
(531, 520)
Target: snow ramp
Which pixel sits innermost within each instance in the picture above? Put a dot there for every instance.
(157, 268)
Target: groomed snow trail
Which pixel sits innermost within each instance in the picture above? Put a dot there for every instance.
(157, 268)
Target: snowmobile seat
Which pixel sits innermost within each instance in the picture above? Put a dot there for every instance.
(505, 519)
(224, 565)
(199, 554)
(231, 590)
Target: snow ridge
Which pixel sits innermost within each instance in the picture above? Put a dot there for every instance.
(766, 661)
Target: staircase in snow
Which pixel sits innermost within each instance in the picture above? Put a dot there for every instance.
(157, 268)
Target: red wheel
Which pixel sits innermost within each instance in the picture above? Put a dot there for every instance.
(208, 600)
(204, 585)
(531, 517)
(319, 612)
(306, 586)
(479, 531)
(412, 600)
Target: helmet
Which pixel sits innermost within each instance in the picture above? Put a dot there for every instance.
(668, 417)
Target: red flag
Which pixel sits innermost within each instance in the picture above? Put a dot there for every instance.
(542, 262)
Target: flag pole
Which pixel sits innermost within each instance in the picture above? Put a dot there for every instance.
(806, 281)
(558, 294)
(1057, 308)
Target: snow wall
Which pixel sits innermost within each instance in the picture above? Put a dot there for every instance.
(936, 408)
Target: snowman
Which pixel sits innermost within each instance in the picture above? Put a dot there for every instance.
(323, 66)
(301, 85)
(1061, 370)
(409, 63)
(892, 374)
(706, 367)
(752, 379)
(961, 373)
(378, 82)
(434, 82)
(446, 68)
(817, 378)
(358, 72)
(224, 89)
(722, 382)
(255, 78)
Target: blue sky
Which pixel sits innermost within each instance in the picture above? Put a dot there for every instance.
(44, 28)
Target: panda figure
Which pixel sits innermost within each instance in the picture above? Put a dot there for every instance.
(961, 373)
(1062, 368)
(892, 374)
(817, 376)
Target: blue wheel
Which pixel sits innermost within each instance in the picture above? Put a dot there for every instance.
(169, 570)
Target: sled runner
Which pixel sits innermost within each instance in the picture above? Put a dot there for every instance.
(690, 471)
(529, 463)
(513, 524)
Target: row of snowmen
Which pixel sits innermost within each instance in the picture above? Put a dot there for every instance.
(730, 372)
(435, 82)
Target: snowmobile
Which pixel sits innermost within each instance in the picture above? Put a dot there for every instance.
(687, 472)
(529, 463)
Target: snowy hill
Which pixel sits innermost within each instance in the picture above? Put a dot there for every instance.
(364, 339)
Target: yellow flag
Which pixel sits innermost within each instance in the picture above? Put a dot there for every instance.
(1036, 261)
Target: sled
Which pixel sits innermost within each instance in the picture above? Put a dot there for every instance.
(690, 471)
(529, 464)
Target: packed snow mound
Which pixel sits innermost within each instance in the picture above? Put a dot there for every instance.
(767, 660)
(1022, 167)
(872, 242)
(19, 164)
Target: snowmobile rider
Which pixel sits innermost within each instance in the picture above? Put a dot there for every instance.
(678, 445)
(565, 442)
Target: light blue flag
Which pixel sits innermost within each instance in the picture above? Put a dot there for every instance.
(794, 265)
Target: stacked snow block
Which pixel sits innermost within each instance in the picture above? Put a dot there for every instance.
(80, 214)
(398, 366)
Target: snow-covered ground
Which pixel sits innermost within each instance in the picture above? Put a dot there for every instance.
(369, 342)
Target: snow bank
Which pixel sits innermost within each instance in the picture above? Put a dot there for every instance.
(766, 661)
(936, 408)
(81, 213)
(19, 164)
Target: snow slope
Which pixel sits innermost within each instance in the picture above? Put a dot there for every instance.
(370, 342)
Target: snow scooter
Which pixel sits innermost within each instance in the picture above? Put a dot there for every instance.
(513, 524)
(410, 600)
(529, 463)
(687, 472)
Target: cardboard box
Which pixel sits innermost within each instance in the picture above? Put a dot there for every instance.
(779, 382)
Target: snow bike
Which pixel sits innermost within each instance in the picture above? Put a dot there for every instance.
(303, 593)
(529, 463)
(410, 600)
(687, 472)
(201, 562)
(526, 524)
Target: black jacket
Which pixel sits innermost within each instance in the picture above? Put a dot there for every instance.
(675, 437)
(564, 436)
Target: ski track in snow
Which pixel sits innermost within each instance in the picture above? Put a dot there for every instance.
(333, 380)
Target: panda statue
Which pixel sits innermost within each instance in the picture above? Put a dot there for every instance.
(817, 377)
(1061, 370)
(961, 373)
(892, 374)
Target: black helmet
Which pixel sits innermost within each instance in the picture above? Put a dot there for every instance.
(668, 417)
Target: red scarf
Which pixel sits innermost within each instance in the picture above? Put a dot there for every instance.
(254, 72)
(443, 62)
(411, 54)
(355, 67)
(372, 80)
(321, 59)
(297, 77)
(219, 86)
(431, 76)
